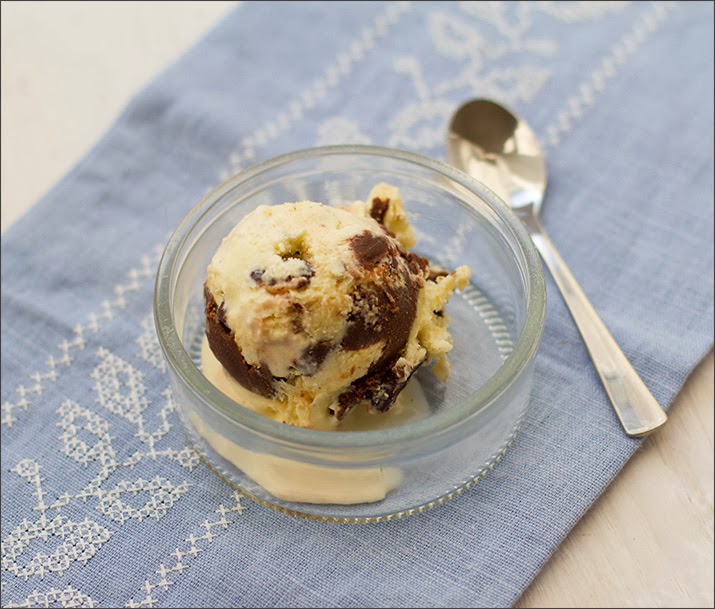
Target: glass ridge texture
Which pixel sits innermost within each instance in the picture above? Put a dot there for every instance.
(496, 324)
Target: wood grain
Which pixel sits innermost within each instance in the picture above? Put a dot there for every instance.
(648, 540)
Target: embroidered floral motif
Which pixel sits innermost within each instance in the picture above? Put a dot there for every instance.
(343, 64)
(67, 597)
(80, 541)
(136, 278)
(149, 345)
(181, 559)
(87, 440)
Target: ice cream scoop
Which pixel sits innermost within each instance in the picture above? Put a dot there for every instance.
(313, 309)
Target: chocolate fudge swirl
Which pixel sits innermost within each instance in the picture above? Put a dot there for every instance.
(384, 309)
(221, 340)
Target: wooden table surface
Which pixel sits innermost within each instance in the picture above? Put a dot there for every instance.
(68, 69)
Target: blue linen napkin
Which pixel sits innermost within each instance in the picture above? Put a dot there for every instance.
(103, 504)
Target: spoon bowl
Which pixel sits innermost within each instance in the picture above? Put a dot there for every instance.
(493, 145)
(489, 143)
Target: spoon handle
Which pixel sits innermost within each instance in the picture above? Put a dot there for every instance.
(635, 406)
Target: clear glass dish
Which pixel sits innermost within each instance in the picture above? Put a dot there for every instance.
(496, 322)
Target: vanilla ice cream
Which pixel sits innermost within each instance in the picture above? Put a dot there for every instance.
(313, 310)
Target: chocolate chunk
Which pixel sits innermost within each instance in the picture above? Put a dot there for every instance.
(297, 283)
(417, 263)
(379, 390)
(369, 248)
(379, 208)
(363, 327)
(289, 282)
(313, 357)
(296, 311)
(256, 378)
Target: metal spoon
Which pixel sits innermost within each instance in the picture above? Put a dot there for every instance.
(491, 144)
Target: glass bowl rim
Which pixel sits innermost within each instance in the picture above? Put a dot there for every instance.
(443, 425)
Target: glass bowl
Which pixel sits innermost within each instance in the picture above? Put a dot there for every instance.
(496, 323)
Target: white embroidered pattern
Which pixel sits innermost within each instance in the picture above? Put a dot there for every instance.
(119, 387)
(339, 130)
(71, 415)
(163, 494)
(575, 12)
(421, 124)
(87, 440)
(67, 597)
(335, 73)
(80, 540)
(149, 345)
(166, 573)
(607, 69)
(136, 278)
